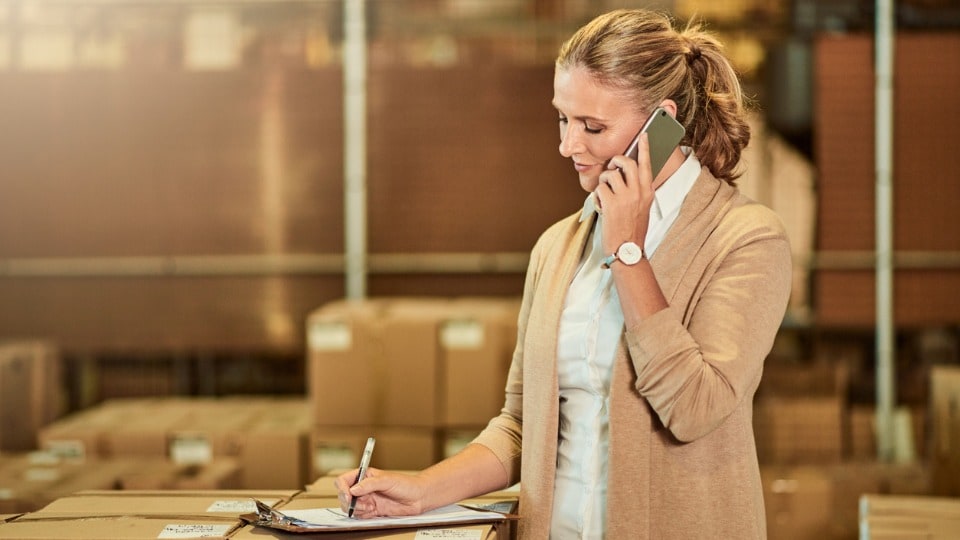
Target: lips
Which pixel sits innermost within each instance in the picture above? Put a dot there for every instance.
(581, 167)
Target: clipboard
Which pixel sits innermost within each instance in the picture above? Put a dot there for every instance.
(267, 517)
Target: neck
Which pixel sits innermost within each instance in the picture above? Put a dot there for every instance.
(673, 163)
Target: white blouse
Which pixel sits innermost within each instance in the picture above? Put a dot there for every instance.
(591, 328)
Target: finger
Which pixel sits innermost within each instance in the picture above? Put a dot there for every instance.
(613, 179)
(644, 174)
(371, 483)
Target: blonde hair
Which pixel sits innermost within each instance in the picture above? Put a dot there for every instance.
(641, 53)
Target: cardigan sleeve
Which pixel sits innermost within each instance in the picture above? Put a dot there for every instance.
(504, 433)
(696, 362)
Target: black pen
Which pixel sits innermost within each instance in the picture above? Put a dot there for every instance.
(364, 464)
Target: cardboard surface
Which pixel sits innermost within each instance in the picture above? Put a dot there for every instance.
(798, 502)
(418, 362)
(226, 505)
(17, 429)
(117, 528)
(798, 430)
(884, 517)
(945, 430)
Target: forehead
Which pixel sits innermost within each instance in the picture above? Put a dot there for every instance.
(576, 92)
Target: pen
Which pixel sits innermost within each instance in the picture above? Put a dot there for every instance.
(364, 464)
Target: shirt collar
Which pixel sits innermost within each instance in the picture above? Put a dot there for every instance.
(669, 195)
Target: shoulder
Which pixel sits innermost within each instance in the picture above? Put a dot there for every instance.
(741, 216)
(558, 233)
(754, 220)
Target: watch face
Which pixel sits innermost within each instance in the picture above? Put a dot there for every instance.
(629, 253)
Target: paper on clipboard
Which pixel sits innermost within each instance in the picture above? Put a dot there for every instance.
(335, 520)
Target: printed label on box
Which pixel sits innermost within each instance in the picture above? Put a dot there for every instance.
(328, 458)
(233, 507)
(330, 336)
(41, 474)
(472, 534)
(462, 334)
(187, 530)
(191, 450)
(67, 449)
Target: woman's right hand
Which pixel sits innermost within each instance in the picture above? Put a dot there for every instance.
(380, 493)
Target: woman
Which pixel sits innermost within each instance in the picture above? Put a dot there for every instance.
(629, 400)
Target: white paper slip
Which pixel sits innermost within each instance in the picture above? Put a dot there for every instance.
(234, 506)
(186, 530)
(467, 534)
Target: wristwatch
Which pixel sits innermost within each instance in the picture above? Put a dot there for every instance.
(628, 253)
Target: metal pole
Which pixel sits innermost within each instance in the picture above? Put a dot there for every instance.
(886, 392)
(355, 146)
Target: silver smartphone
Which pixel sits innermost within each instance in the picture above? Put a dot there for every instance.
(663, 135)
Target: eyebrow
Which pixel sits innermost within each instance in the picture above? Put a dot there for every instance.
(580, 118)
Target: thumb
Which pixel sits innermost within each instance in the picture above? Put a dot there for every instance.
(371, 482)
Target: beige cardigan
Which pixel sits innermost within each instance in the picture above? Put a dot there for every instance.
(682, 461)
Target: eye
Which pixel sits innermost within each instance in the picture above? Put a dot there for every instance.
(563, 119)
(591, 130)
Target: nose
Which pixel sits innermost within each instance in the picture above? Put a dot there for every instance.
(568, 140)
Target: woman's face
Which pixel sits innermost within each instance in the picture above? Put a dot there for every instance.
(596, 122)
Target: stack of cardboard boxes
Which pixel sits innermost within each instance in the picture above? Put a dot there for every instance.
(31, 391)
(887, 517)
(818, 452)
(422, 375)
(248, 442)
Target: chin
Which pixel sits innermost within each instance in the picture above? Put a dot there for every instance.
(589, 183)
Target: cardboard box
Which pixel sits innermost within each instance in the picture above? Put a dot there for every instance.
(46, 396)
(81, 435)
(410, 377)
(804, 379)
(125, 528)
(799, 430)
(214, 504)
(17, 427)
(884, 517)
(29, 481)
(477, 339)
(397, 448)
(852, 481)
(910, 434)
(275, 448)
(343, 370)
(339, 448)
(798, 502)
(945, 430)
(410, 362)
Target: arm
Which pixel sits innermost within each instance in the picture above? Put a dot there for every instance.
(697, 362)
(490, 463)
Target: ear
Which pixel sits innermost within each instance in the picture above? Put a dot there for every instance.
(670, 106)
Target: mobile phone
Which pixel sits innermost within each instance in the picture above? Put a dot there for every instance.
(663, 135)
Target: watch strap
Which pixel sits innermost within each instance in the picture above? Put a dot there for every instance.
(607, 261)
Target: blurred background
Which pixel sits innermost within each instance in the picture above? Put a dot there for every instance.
(172, 182)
